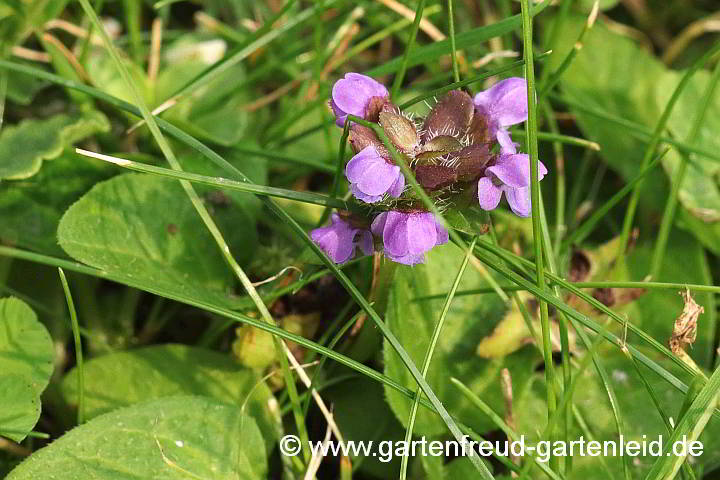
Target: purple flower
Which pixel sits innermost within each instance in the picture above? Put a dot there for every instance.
(339, 239)
(371, 176)
(407, 236)
(511, 175)
(504, 104)
(352, 95)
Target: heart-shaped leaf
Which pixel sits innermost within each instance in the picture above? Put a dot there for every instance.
(170, 438)
(126, 378)
(146, 230)
(26, 363)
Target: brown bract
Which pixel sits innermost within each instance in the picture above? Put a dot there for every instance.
(685, 328)
(450, 116)
(450, 147)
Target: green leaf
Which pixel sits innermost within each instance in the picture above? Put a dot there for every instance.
(469, 320)
(352, 400)
(656, 310)
(635, 86)
(624, 87)
(24, 146)
(170, 438)
(126, 378)
(236, 213)
(145, 229)
(699, 191)
(22, 88)
(31, 209)
(642, 419)
(101, 70)
(26, 364)
(21, 406)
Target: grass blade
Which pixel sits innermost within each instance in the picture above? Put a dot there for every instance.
(78, 347)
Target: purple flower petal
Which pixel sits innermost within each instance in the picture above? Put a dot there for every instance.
(507, 146)
(408, 236)
(421, 232)
(505, 102)
(489, 194)
(542, 170)
(513, 170)
(371, 176)
(442, 235)
(395, 234)
(336, 240)
(365, 241)
(398, 187)
(519, 200)
(352, 94)
(409, 259)
(357, 193)
(378, 177)
(378, 224)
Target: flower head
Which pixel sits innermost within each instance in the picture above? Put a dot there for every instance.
(339, 239)
(353, 95)
(509, 175)
(503, 104)
(408, 235)
(371, 176)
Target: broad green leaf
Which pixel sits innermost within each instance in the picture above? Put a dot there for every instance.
(236, 213)
(636, 86)
(699, 192)
(22, 88)
(638, 410)
(655, 311)
(145, 229)
(104, 75)
(134, 376)
(470, 319)
(169, 438)
(21, 406)
(26, 363)
(625, 86)
(31, 208)
(352, 401)
(215, 111)
(24, 146)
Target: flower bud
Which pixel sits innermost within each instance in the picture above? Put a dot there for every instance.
(361, 137)
(450, 116)
(401, 131)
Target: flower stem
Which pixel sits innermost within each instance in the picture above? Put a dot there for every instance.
(532, 144)
(451, 21)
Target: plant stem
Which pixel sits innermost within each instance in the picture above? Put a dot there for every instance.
(531, 128)
(451, 21)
